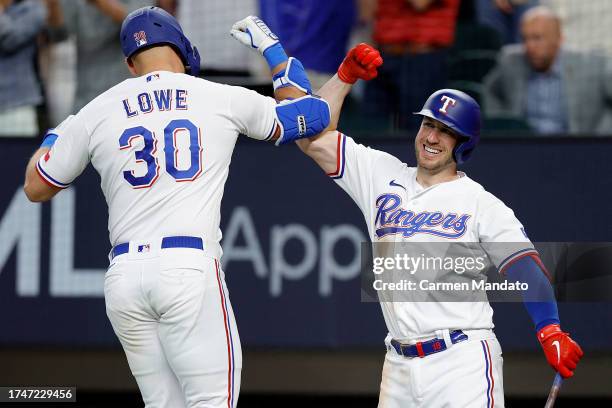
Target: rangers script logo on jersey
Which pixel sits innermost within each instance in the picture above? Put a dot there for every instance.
(391, 218)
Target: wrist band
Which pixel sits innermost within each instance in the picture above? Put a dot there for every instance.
(275, 55)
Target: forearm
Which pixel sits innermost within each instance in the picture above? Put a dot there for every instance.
(360, 63)
(281, 94)
(334, 91)
(560, 350)
(55, 18)
(539, 298)
(322, 147)
(34, 187)
(287, 92)
(305, 116)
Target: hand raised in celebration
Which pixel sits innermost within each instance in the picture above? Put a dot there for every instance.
(361, 62)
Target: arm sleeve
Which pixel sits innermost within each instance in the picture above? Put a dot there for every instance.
(253, 114)
(539, 298)
(501, 234)
(22, 27)
(69, 155)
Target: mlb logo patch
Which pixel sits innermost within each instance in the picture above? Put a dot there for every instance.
(141, 38)
(47, 156)
(152, 77)
(144, 248)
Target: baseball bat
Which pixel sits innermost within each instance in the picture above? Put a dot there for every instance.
(554, 391)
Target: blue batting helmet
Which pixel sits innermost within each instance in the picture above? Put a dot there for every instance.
(460, 112)
(149, 26)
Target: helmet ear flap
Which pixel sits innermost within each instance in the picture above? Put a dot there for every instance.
(464, 149)
(193, 57)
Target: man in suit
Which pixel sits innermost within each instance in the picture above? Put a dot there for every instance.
(556, 91)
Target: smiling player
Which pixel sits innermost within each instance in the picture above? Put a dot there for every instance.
(439, 353)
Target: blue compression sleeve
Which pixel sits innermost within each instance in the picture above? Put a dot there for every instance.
(539, 297)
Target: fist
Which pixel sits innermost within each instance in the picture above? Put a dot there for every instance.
(560, 350)
(361, 62)
(253, 32)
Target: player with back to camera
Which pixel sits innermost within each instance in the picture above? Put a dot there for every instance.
(162, 144)
(444, 353)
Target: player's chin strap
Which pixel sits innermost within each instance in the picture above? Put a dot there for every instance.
(303, 117)
(294, 74)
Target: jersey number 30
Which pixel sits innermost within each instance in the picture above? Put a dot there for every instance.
(147, 153)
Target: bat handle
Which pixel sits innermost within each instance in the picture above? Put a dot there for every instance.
(554, 391)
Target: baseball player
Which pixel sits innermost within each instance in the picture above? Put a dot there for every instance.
(162, 144)
(444, 353)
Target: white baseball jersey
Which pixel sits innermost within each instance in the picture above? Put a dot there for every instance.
(397, 209)
(162, 144)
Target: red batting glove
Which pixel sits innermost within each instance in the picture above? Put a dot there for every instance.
(361, 62)
(560, 350)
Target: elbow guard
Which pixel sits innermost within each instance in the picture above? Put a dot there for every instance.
(303, 117)
(293, 75)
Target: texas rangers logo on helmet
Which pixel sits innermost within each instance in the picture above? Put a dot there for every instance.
(141, 38)
(447, 101)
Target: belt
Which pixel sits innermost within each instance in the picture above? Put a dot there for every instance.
(167, 242)
(425, 348)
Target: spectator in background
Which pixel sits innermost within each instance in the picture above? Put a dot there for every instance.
(57, 68)
(554, 90)
(20, 24)
(504, 16)
(315, 32)
(206, 23)
(95, 25)
(414, 37)
(586, 24)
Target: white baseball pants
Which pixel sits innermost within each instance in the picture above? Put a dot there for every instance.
(467, 375)
(171, 311)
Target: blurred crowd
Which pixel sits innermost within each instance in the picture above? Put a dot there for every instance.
(537, 67)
